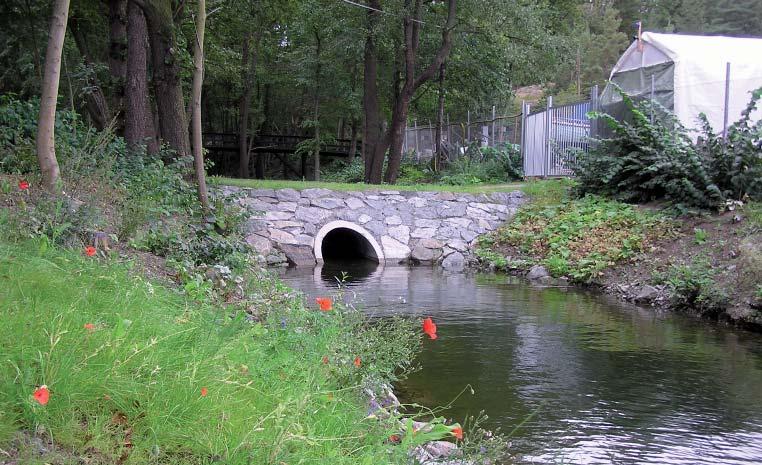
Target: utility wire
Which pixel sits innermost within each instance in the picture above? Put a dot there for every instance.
(350, 2)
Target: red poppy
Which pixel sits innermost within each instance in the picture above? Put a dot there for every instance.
(325, 360)
(204, 392)
(394, 438)
(23, 185)
(90, 250)
(89, 326)
(357, 362)
(457, 432)
(325, 303)
(430, 328)
(42, 395)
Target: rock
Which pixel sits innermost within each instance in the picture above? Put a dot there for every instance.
(537, 272)
(424, 232)
(354, 203)
(254, 225)
(394, 250)
(298, 255)
(290, 195)
(460, 222)
(305, 239)
(451, 209)
(327, 203)
(468, 235)
(286, 224)
(440, 449)
(417, 202)
(400, 233)
(261, 244)
(262, 193)
(281, 237)
(393, 220)
(278, 216)
(285, 207)
(646, 294)
(458, 245)
(376, 227)
(275, 259)
(431, 243)
(316, 193)
(425, 223)
(363, 219)
(423, 254)
(454, 262)
(312, 214)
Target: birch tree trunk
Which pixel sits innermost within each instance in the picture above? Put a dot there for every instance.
(198, 80)
(45, 143)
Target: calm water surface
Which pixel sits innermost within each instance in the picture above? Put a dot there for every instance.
(600, 381)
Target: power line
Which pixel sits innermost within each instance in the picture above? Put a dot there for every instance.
(350, 2)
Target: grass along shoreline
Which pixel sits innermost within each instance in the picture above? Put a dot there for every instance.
(704, 264)
(139, 373)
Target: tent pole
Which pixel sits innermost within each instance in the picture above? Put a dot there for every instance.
(727, 100)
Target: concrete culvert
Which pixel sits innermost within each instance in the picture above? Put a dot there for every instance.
(342, 240)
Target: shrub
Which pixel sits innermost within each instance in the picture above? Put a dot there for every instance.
(644, 160)
(736, 163)
(485, 165)
(344, 171)
(693, 288)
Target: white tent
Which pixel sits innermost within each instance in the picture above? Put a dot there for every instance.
(687, 74)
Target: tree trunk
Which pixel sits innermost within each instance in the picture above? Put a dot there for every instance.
(139, 126)
(438, 149)
(173, 126)
(316, 115)
(353, 141)
(411, 28)
(95, 101)
(117, 51)
(248, 72)
(372, 133)
(198, 80)
(46, 147)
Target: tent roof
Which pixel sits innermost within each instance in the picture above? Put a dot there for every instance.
(711, 50)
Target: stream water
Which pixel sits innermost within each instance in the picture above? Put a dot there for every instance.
(588, 379)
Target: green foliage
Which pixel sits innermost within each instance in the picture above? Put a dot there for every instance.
(548, 191)
(699, 236)
(80, 149)
(486, 165)
(577, 238)
(736, 163)
(645, 161)
(693, 288)
(342, 171)
(137, 374)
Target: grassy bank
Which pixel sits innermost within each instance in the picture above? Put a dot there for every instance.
(338, 186)
(139, 373)
(708, 264)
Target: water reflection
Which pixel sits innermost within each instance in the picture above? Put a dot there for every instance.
(609, 383)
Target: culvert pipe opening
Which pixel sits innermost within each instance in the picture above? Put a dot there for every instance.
(345, 244)
(343, 240)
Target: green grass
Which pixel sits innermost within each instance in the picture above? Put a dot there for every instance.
(137, 377)
(548, 191)
(337, 186)
(576, 238)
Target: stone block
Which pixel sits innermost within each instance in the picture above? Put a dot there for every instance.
(329, 203)
(288, 195)
(394, 250)
(423, 233)
(393, 220)
(316, 193)
(278, 216)
(354, 203)
(400, 233)
(299, 255)
(282, 237)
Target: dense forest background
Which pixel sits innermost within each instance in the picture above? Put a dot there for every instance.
(329, 69)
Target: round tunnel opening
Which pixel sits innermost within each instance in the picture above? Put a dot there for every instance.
(346, 244)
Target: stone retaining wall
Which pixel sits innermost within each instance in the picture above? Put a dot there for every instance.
(422, 227)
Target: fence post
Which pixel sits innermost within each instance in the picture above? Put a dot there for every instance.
(727, 102)
(468, 126)
(415, 131)
(494, 135)
(433, 142)
(547, 148)
(523, 146)
(594, 106)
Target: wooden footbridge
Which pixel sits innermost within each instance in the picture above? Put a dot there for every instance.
(221, 142)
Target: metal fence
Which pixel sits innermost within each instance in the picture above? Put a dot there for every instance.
(490, 131)
(552, 137)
